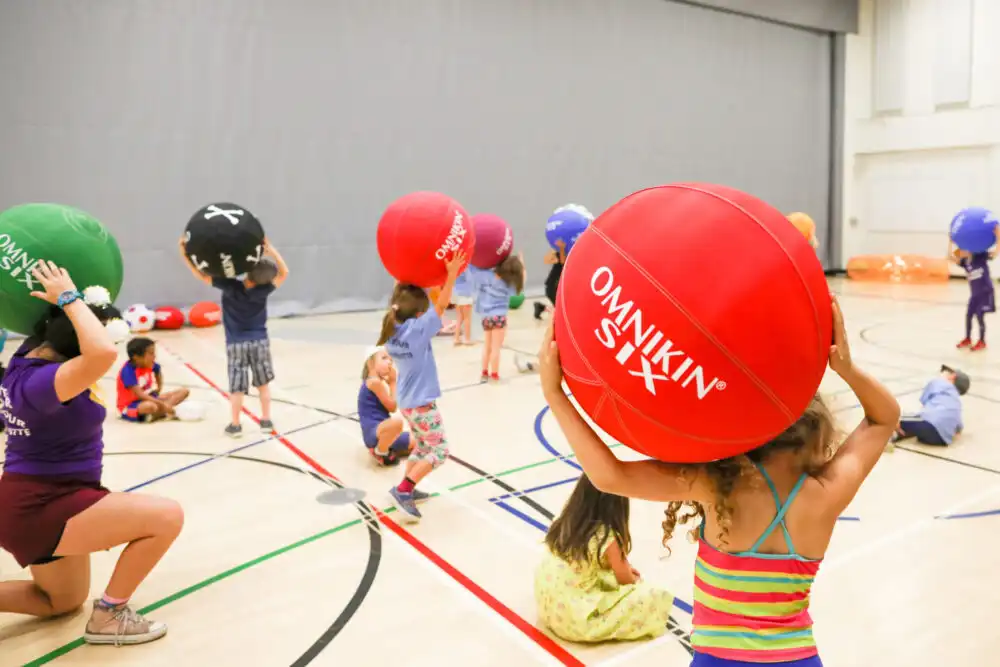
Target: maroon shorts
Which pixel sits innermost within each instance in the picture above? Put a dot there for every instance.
(34, 510)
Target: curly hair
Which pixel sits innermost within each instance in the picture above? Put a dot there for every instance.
(812, 435)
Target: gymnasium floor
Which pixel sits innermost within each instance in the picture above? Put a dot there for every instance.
(263, 574)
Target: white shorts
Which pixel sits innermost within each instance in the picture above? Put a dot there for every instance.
(461, 300)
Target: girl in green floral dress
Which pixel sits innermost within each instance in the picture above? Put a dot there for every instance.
(585, 588)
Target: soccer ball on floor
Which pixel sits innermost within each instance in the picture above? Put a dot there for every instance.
(139, 318)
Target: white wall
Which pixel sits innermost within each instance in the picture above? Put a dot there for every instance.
(922, 114)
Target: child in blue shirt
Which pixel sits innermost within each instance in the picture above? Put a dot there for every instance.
(407, 331)
(244, 318)
(940, 417)
(494, 290)
(462, 300)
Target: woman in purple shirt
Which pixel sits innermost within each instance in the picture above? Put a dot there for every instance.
(54, 512)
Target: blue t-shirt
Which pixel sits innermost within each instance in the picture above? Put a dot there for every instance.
(942, 408)
(371, 412)
(494, 295)
(244, 311)
(410, 348)
(463, 284)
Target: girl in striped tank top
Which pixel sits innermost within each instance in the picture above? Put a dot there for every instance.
(763, 520)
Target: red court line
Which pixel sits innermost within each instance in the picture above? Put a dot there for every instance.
(508, 614)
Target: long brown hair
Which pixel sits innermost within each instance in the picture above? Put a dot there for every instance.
(812, 435)
(407, 302)
(511, 271)
(587, 513)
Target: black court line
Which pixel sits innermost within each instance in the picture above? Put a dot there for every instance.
(465, 464)
(966, 464)
(374, 550)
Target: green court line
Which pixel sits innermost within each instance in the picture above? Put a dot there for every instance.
(77, 643)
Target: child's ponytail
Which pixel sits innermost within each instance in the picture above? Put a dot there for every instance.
(388, 326)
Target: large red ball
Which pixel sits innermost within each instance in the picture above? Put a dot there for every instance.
(694, 322)
(494, 240)
(169, 317)
(418, 233)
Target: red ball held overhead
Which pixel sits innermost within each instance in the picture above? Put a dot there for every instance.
(419, 233)
(693, 322)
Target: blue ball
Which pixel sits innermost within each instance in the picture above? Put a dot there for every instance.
(974, 230)
(566, 226)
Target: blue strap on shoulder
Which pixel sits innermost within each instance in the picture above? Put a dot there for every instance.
(779, 518)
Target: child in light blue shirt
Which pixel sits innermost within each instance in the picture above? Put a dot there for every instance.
(940, 417)
(407, 331)
(494, 289)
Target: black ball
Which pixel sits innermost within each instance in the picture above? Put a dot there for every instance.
(224, 240)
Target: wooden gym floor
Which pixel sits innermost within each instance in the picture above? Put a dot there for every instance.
(263, 574)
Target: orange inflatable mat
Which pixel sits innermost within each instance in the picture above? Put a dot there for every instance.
(914, 269)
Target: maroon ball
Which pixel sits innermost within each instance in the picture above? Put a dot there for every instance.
(494, 240)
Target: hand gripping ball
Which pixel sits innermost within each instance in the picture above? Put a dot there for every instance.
(566, 225)
(418, 233)
(680, 350)
(974, 230)
(494, 240)
(224, 240)
(71, 238)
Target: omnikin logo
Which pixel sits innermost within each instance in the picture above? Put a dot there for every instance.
(658, 359)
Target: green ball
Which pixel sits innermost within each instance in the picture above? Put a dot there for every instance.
(516, 301)
(72, 239)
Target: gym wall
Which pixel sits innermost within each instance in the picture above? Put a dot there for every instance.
(316, 115)
(922, 137)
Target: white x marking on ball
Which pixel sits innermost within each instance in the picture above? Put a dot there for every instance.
(232, 215)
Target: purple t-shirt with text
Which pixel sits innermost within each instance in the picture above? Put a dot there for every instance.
(44, 436)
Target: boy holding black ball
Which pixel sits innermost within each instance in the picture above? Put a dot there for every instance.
(244, 317)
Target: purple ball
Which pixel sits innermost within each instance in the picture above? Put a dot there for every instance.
(494, 240)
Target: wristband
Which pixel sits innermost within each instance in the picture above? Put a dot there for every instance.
(68, 297)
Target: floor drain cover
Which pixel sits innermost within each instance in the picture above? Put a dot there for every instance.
(341, 496)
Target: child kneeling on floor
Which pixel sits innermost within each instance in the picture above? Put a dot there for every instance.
(585, 589)
(940, 417)
(140, 385)
(382, 431)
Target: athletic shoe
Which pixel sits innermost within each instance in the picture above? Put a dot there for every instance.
(981, 345)
(267, 425)
(234, 431)
(964, 344)
(404, 503)
(121, 626)
(384, 460)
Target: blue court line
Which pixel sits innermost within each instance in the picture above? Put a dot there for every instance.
(545, 443)
(522, 516)
(224, 454)
(524, 492)
(680, 604)
(969, 515)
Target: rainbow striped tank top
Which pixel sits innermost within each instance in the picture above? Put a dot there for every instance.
(754, 607)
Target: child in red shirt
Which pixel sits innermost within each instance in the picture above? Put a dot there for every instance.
(140, 385)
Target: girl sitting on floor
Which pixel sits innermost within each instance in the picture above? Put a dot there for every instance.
(585, 589)
(382, 431)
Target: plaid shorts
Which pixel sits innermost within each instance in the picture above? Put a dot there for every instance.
(253, 356)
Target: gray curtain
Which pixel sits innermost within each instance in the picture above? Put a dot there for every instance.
(315, 115)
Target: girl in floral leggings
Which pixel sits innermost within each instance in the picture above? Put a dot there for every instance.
(407, 331)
